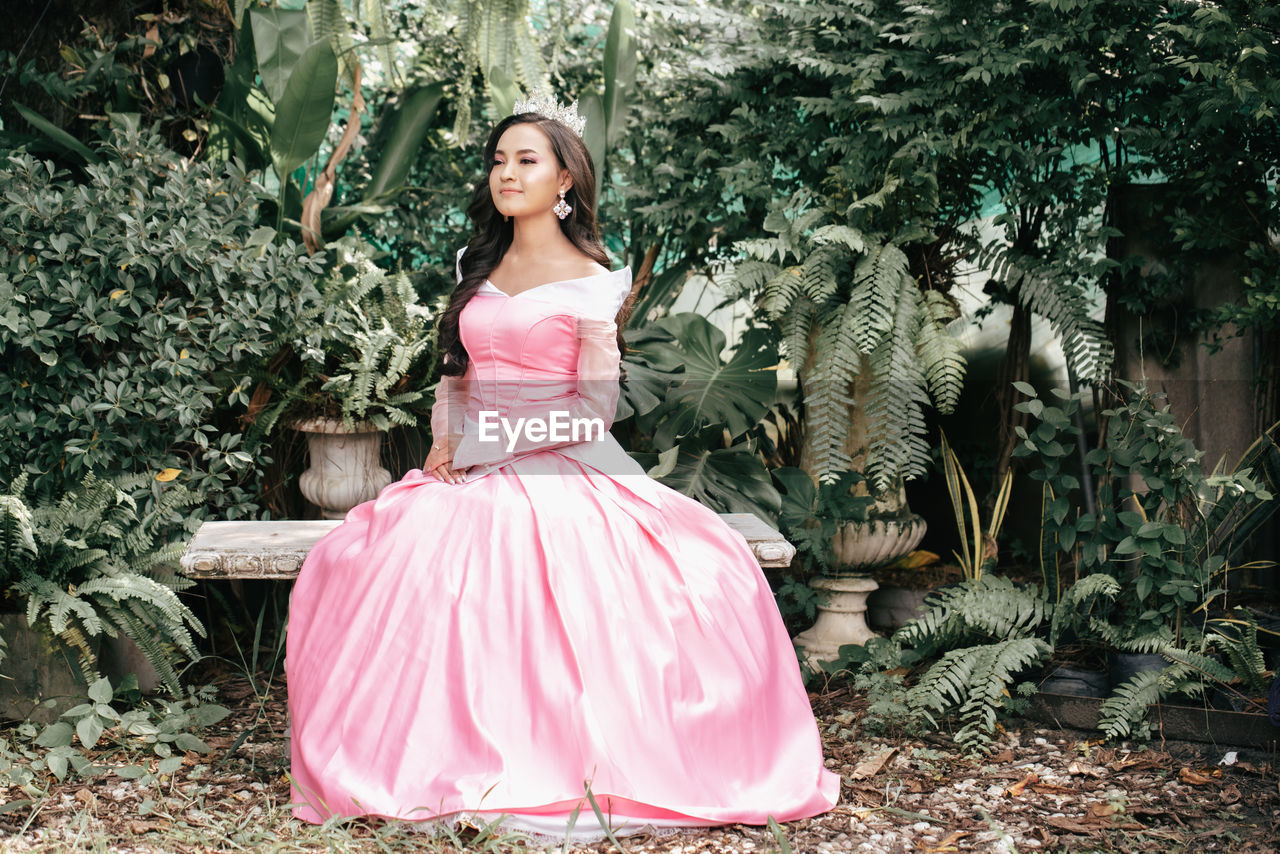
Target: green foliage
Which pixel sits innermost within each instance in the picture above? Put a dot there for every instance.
(691, 414)
(811, 516)
(134, 306)
(1237, 639)
(91, 563)
(1163, 527)
(164, 730)
(495, 34)
(983, 609)
(842, 303)
(362, 352)
(975, 682)
(877, 669)
(975, 561)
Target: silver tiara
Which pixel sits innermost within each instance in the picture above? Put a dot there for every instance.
(545, 104)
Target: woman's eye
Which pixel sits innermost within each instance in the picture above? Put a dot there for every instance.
(528, 160)
(493, 163)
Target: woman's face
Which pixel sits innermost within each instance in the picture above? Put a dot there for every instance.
(525, 179)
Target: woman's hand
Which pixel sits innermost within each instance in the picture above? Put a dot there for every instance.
(440, 463)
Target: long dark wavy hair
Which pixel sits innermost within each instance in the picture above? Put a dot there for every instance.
(491, 235)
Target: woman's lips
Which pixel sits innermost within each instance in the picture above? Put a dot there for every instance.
(510, 192)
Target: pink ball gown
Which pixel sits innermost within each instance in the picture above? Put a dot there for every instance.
(487, 649)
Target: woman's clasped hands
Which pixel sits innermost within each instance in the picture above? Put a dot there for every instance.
(440, 463)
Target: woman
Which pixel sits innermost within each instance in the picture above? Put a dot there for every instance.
(530, 615)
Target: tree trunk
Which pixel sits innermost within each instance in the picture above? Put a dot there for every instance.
(1014, 368)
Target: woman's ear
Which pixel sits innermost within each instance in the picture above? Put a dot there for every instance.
(566, 181)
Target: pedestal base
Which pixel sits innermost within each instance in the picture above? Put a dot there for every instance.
(842, 619)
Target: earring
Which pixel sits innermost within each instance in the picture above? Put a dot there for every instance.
(562, 208)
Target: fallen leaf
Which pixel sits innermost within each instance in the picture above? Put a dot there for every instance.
(915, 560)
(1003, 757)
(1076, 769)
(86, 797)
(1230, 794)
(167, 475)
(1100, 813)
(153, 38)
(948, 844)
(1015, 791)
(1193, 778)
(873, 766)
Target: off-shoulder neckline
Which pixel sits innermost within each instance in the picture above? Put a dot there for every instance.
(490, 283)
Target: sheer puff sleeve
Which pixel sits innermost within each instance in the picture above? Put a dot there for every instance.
(450, 407)
(449, 410)
(585, 416)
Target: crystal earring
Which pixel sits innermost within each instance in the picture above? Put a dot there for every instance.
(562, 208)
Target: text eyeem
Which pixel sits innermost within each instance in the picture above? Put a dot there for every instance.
(559, 426)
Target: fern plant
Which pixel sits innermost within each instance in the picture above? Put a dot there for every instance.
(847, 304)
(89, 563)
(989, 632)
(363, 352)
(497, 38)
(988, 635)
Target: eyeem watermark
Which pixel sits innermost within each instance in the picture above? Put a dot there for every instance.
(560, 426)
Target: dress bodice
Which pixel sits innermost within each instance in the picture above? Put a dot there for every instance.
(525, 348)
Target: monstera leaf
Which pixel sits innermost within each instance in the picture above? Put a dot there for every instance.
(728, 480)
(735, 394)
(799, 496)
(651, 367)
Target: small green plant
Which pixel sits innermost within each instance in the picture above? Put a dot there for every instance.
(811, 515)
(90, 563)
(979, 558)
(878, 668)
(94, 738)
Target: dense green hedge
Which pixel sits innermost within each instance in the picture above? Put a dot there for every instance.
(135, 301)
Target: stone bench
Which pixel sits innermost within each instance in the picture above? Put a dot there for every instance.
(276, 550)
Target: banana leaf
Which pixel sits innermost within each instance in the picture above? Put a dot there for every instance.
(280, 38)
(736, 393)
(304, 110)
(728, 480)
(412, 121)
(619, 69)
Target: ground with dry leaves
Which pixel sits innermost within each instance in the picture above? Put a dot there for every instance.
(1043, 790)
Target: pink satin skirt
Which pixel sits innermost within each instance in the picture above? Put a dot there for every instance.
(496, 646)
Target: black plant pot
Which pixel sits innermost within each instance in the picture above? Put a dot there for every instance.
(1071, 682)
(1126, 665)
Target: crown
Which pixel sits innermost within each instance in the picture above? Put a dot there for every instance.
(545, 104)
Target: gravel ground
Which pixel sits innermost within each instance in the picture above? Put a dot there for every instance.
(1038, 790)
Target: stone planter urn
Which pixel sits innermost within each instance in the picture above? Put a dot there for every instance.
(856, 548)
(345, 466)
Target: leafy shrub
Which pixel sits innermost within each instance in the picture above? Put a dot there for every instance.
(1163, 527)
(134, 304)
